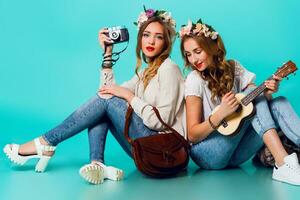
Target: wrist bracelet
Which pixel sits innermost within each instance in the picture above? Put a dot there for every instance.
(106, 65)
(211, 124)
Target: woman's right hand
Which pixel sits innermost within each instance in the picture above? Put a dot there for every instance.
(104, 40)
(229, 104)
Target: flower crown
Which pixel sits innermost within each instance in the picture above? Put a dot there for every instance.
(197, 29)
(148, 13)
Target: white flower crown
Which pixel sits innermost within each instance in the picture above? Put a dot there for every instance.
(197, 29)
(148, 13)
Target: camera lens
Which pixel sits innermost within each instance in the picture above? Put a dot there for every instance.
(118, 34)
(114, 35)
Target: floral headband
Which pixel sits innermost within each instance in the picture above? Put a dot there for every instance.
(197, 29)
(148, 13)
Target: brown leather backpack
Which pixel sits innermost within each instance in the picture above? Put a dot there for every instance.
(159, 155)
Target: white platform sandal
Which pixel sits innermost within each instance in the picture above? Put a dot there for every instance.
(12, 152)
(92, 173)
(95, 173)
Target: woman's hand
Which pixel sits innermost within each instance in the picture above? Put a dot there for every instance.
(118, 91)
(104, 40)
(272, 85)
(229, 104)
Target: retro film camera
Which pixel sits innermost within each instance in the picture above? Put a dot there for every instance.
(118, 34)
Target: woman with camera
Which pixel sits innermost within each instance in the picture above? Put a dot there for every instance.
(160, 84)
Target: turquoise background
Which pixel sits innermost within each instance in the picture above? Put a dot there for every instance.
(49, 61)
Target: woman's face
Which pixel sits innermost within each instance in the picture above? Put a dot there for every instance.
(195, 54)
(153, 40)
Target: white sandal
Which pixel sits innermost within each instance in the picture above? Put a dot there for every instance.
(113, 173)
(92, 173)
(12, 152)
(95, 173)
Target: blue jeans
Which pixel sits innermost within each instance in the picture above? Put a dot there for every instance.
(218, 151)
(98, 116)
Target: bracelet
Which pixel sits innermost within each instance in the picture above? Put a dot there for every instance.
(211, 124)
(106, 65)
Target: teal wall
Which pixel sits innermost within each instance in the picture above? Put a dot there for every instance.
(49, 53)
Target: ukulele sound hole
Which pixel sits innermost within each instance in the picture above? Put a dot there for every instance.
(239, 109)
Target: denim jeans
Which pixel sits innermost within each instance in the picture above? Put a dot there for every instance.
(218, 151)
(98, 116)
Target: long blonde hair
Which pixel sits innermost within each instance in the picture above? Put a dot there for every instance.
(220, 72)
(154, 63)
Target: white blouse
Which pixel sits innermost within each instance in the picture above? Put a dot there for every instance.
(196, 86)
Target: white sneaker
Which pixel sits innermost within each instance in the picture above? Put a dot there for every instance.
(95, 173)
(106, 79)
(289, 172)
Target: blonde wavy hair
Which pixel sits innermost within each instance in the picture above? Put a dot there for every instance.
(153, 63)
(220, 72)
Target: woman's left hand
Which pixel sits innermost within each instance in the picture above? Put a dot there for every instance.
(118, 91)
(272, 85)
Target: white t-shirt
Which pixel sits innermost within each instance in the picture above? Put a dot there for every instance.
(196, 86)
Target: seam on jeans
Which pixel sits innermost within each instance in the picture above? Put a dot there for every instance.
(260, 126)
(286, 124)
(84, 114)
(71, 122)
(263, 128)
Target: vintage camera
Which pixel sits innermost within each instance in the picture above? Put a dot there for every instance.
(118, 34)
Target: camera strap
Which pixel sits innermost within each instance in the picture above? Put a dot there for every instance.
(112, 58)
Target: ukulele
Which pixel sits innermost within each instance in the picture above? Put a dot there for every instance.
(233, 123)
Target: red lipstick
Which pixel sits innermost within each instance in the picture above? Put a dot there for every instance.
(150, 49)
(199, 65)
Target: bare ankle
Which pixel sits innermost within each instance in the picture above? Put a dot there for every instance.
(279, 164)
(96, 162)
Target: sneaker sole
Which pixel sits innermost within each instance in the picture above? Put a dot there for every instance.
(283, 180)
